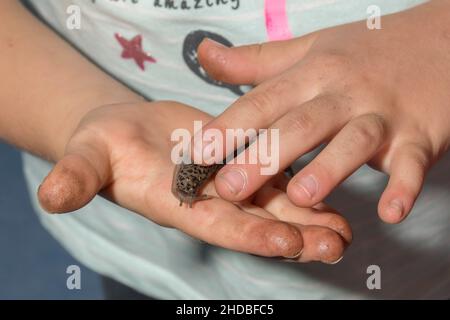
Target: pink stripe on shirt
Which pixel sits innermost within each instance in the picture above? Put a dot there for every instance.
(276, 20)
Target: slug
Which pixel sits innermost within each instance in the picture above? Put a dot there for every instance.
(188, 179)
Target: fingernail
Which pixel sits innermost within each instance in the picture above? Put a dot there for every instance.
(216, 44)
(295, 256)
(395, 209)
(337, 261)
(235, 180)
(309, 185)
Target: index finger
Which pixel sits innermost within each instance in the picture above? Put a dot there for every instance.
(256, 110)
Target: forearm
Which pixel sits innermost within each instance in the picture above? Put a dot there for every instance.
(46, 86)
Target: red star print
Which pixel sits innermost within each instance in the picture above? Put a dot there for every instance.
(132, 49)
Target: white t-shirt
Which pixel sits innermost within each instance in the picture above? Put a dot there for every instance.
(414, 256)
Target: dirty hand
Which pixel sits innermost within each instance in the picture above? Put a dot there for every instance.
(123, 152)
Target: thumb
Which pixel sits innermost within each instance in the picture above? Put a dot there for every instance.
(75, 180)
(252, 64)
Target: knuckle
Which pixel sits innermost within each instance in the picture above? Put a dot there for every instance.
(259, 105)
(336, 70)
(300, 122)
(264, 102)
(362, 136)
(328, 102)
(361, 82)
(420, 156)
(206, 219)
(333, 62)
(368, 132)
(259, 49)
(258, 54)
(377, 123)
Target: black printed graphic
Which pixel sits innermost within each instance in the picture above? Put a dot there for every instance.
(195, 4)
(190, 47)
(184, 4)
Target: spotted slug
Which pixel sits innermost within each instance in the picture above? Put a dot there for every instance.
(188, 179)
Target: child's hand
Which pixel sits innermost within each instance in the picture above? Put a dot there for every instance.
(123, 151)
(380, 96)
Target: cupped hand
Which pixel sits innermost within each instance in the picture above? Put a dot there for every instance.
(374, 96)
(123, 152)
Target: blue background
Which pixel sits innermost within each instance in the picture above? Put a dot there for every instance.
(32, 264)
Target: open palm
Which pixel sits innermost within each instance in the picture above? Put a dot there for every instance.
(123, 153)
